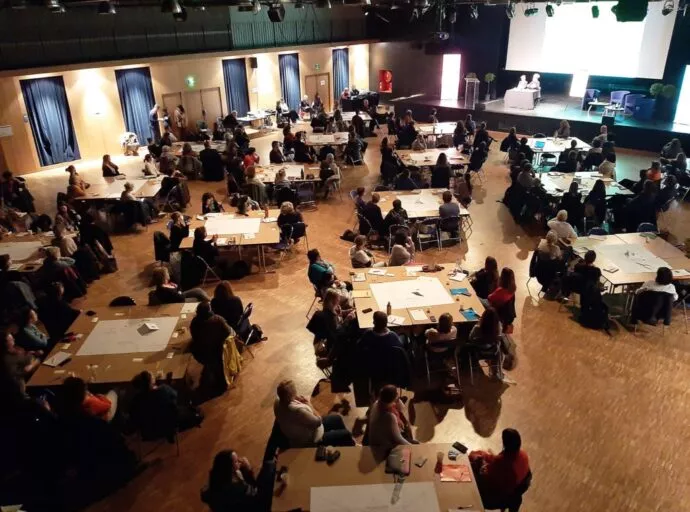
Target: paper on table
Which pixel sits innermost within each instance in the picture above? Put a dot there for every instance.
(418, 315)
(414, 268)
(230, 226)
(455, 473)
(221, 241)
(189, 307)
(597, 237)
(359, 277)
(57, 359)
(122, 336)
(396, 320)
(414, 497)
(377, 272)
(631, 258)
(458, 276)
(681, 272)
(269, 219)
(15, 266)
(411, 293)
(248, 236)
(361, 294)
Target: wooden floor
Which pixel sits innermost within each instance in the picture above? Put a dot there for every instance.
(604, 420)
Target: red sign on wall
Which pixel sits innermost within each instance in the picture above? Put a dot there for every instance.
(385, 80)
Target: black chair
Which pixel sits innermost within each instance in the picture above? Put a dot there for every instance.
(122, 300)
(161, 246)
(283, 194)
(244, 328)
(650, 307)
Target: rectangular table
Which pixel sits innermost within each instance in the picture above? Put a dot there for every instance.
(238, 230)
(321, 139)
(428, 129)
(111, 189)
(409, 289)
(524, 99)
(428, 157)
(557, 183)
(421, 203)
(347, 116)
(360, 466)
(25, 250)
(554, 145)
(112, 346)
(294, 172)
(218, 145)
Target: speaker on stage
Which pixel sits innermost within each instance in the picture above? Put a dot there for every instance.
(276, 13)
(608, 120)
(253, 63)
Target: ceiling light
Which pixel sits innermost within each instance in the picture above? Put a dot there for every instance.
(328, 4)
(256, 7)
(106, 7)
(595, 11)
(55, 6)
(531, 11)
(668, 7)
(474, 12)
(180, 16)
(453, 17)
(172, 6)
(549, 10)
(510, 10)
(414, 15)
(394, 7)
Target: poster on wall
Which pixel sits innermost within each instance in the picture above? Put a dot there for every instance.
(385, 80)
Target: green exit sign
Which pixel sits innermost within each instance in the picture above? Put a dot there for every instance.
(317, 67)
(190, 81)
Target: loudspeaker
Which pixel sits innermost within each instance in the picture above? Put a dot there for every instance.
(276, 14)
(253, 63)
(608, 120)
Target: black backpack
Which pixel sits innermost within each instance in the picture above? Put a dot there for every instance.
(594, 313)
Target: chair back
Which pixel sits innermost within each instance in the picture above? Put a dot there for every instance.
(618, 97)
(122, 300)
(538, 136)
(161, 246)
(650, 307)
(283, 194)
(364, 225)
(244, 327)
(630, 102)
(353, 196)
(646, 227)
(396, 228)
(299, 229)
(305, 192)
(599, 231)
(449, 223)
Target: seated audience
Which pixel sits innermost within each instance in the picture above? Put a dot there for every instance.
(254, 186)
(562, 227)
(329, 174)
(448, 210)
(667, 193)
(228, 305)
(502, 298)
(281, 180)
(485, 280)
(607, 168)
(360, 257)
(353, 150)
(499, 476)
(548, 247)
(167, 163)
(563, 131)
(402, 251)
(77, 394)
(74, 190)
(484, 341)
(478, 157)
(662, 283)
(642, 208)
(246, 204)
(154, 149)
(404, 182)
(303, 153)
(276, 156)
(67, 218)
(321, 274)
(55, 313)
(470, 125)
(571, 202)
(209, 204)
(396, 216)
(481, 135)
(372, 212)
(459, 135)
(526, 177)
(359, 198)
(654, 172)
(109, 168)
(167, 292)
(445, 332)
(380, 338)
(302, 425)
(419, 143)
(205, 249)
(209, 333)
(596, 199)
(54, 265)
(179, 230)
(211, 163)
(603, 134)
(441, 172)
(671, 149)
(16, 363)
(251, 157)
(526, 149)
(388, 427)
(511, 143)
(583, 276)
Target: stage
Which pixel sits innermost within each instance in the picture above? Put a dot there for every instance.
(629, 132)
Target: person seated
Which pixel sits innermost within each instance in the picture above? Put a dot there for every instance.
(470, 125)
(671, 149)
(304, 106)
(276, 156)
(302, 425)
(15, 194)
(140, 211)
(667, 193)
(303, 153)
(67, 218)
(321, 274)
(449, 208)
(478, 157)
(340, 124)
(563, 157)
(402, 251)
(319, 122)
(109, 168)
(345, 95)
(563, 131)
(571, 202)
(396, 216)
(241, 138)
(360, 257)
(230, 121)
(189, 164)
(205, 249)
(522, 83)
(284, 114)
(603, 135)
(511, 143)
(209, 204)
(246, 204)
(209, 333)
(168, 138)
(29, 337)
(534, 83)
(251, 157)
(254, 186)
(583, 276)
(500, 476)
(228, 305)
(54, 265)
(548, 247)
(654, 172)
(167, 292)
(76, 393)
(597, 199)
(167, 162)
(485, 280)
(289, 216)
(408, 135)
(380, 338)
(526, 178)
(16, 363)
(484, 341)
(642, 208)
(388, 426)
(329, 174)
(594, 157)
(353, 150)
(372, 212)
(482, 135)
(678, 167)
(233, 484)
(317, 104)
(359, 199)
(433, 116)
(441, 172)
(55, 313)
(445, 332)
(404, 182)
(419, 143)
(562, 227)
(153, 148)
(663, 283)
(607, 168)
(150, 170)
(526, 149)
(459, 135)
(179, 230)
(281, 180)
(211, 163)
(72, 171)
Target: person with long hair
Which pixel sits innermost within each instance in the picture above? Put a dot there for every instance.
(388, 425)
(502, 296)
(596, 199)
(485, 339)
(209, 333)
(563, 131)
(109, 168)
(444, 332)
(226, 304)
(459, 135)
(441, 172)
(485, 280)
(209, 204)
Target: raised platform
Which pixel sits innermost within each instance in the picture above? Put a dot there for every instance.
(629, 132)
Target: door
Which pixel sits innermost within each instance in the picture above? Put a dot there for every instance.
(320, 83)
(192, 106)
(211, 103)
(170, 102)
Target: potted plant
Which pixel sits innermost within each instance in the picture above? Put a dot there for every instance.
(489, 78)
(655, 89)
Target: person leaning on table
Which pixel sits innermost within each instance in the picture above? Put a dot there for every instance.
(662, 283)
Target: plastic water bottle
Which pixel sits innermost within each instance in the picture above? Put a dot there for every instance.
(388, 309)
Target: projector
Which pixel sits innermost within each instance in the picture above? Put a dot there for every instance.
(440, 36)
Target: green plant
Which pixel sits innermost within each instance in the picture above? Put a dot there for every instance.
(668, 91)
(489, 77)
(655, 89)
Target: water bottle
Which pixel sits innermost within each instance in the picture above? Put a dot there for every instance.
(388, 309)
(301, 173)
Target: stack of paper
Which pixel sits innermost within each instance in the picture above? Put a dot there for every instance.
(396, 320)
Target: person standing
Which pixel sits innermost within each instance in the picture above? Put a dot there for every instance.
(153, 123)
(180, 120)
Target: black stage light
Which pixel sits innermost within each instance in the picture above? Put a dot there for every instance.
(171, 6)
(180, 16)
(595, 11)
(106, 7)
(549, 10)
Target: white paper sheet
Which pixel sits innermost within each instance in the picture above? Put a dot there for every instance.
(414, 497)
(225, 226)
(411, 293)
(419, 202)
(418, 315)
(189, 307)
(20, 251)
(631, 258)
(123, 337)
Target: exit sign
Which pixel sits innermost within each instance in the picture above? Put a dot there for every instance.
(317, 67)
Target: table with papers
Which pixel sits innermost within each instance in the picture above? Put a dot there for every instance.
(293, 172)
(112, 188)
(419, 204)
(557, 183)
(428, 157)
(322, 139)
(430, 129)
(414, 295)
(555, 145)
(524, 99)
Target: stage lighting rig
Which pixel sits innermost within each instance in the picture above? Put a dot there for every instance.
(474, 12)
(668, 7)
(549, 10)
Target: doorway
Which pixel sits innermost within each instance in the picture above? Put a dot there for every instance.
(170, 103)
(203, 100)
(320, 83)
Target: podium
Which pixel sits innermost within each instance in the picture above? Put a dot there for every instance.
(471, 92)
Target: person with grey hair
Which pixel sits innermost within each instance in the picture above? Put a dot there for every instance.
(329, 174)
(562, 227)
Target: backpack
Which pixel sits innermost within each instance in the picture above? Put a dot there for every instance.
(594, 313)
(237, 270)
(348, 235)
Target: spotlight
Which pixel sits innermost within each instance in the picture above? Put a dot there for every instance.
(668, 7)
(180, 16)
(549, 10)
(256, 7)
(510, 10)
(414, 15)
(55, 6)
(171, 6)
(394, 7)
(453, 17)
(106, 7)
(299, 4)
(595, 11)
(474, 12)
(531, 11)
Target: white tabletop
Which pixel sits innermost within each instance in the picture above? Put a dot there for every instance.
(552, 145)
(320, 139)
(426, 129)
(557, 183)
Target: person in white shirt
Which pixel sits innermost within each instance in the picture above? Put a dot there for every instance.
(446, 332)
(360, 257)
(534, 84)
(607, 168)
(548, 246)
(662, 283)
(302, 425)
(522, 84)
(562, 227)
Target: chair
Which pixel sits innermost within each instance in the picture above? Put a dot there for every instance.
(161, 246)
(494, 355)
(538, 136)
(450, 225)
(514, 502)
(317, 297)
(245, 329)
(255, 192)
(298, 231)
(646, 227)
(682, 301)
(597, 231)
(618, 97)
(365, 227)
(392, 230)
(306, 194)
(282, 194)
(431, 357)
(630, 103)
(433, 236)
(206, 269)
(122, 300)
(650, 307)
(590, 95)
(644, 109)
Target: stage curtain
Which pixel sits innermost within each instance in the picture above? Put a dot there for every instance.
(236, 90)
(50, 120)
(341, 71)
(289, 79)
(136, 98)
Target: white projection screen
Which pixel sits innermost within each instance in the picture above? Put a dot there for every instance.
(572, 40)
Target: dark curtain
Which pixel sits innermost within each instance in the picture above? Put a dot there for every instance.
(289, 79)
(50, 119)
(136, 98)
(235, 77)
(341, 71)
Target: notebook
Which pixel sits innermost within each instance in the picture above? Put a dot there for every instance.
(470, 314)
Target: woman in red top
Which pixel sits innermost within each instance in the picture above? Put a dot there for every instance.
(502, 295)
(78, 397)
(251, 157)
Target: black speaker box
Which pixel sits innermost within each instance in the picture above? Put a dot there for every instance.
(276, 14)
(608, 120)
(253, 63)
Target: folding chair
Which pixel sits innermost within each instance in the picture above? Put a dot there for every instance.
(207, 270)
(682, 302)
(450, 225)
(317, 297)
(431, 356)
(431, 237)
(597, 231)
(646, 227)
(495, 356)
(245, 329)
(392, 230)
(365, 228)
(299, 232)
(306, 195)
